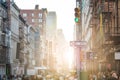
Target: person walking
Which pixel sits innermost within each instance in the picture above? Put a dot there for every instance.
(4, 77)
(114, 76)
(0, 77)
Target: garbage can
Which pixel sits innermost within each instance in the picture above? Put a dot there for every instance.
(83, 75)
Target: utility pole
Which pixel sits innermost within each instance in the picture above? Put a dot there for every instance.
(78, 42)
(78, 45)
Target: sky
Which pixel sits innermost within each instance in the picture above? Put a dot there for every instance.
(63, 8)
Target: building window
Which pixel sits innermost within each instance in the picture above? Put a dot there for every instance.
(24, 14)
(40, 20)
(40, 15)
(32, 14)
(40, 25)
(33, 20)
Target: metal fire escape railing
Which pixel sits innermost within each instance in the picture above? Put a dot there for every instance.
(105, 41)
(107, 12)
(95, 26)
(110, 24)
(4, 33)
(4, 37)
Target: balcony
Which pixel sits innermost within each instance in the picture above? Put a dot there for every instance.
(113, 35)
(91, 3)
(108, 7)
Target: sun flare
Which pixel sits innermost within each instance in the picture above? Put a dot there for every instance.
(69, 57)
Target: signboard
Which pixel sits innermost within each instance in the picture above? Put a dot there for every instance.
(117, 55)
(42, 68)
(90, 55)
(30, 72)
(78, 43)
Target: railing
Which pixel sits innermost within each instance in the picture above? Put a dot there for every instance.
(113, 31)
(91, 3)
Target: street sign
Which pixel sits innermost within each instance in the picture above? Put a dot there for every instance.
(117, 55)
(78, 43)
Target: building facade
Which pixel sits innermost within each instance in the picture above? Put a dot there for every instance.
(100, 28)
(51, 28)
(22, 46)
(37, 18)
(14, 25)
(30, 56)
(106, 18)
(87, 32)
(4, 38)
(17, 40)
(61, 49)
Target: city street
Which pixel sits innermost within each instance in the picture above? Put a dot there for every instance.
(60, 40)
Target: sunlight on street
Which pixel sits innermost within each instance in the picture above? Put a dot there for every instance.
(59, 39)
(69, 57)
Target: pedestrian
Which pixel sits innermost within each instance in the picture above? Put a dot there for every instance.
(4, 77)
(0, 77)
(19, 77)
(99, 76)
(114, 76)
(90, 76)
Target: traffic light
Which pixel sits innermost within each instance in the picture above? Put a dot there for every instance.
(77, 15)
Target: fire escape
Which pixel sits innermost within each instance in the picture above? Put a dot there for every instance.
(23, 42)
(111, 30)
(97, 39)
(109, 26)
(4, 39)
(106, 29)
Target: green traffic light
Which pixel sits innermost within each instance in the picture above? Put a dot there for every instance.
(76, 19)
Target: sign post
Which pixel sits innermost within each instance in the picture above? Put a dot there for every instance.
(77, 45)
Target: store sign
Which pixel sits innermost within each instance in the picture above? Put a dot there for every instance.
(117, 55)
(78, 43)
